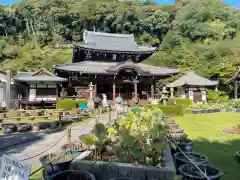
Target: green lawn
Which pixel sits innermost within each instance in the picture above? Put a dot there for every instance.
(37, 175)
(204, 130)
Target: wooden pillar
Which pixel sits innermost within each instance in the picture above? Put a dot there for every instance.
(8, 90)
(235, 90)
(152, 91)
(57, 90)
(114, 91)
(135, 90)
(95, 90)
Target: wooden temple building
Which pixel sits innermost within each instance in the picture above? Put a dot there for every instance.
(192, 86)
(112, 64)
(103, 63)
(34, 88)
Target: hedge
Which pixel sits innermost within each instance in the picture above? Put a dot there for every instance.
(185, 102)
(69, 103)
(175, 110)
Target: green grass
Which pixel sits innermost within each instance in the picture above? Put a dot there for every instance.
(205, 131)
(37, 175)
(1, 132)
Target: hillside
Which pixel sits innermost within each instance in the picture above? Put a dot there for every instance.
(199, 35)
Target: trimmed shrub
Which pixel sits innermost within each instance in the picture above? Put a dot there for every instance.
(184, 102)
(176, 110)
(70, 103)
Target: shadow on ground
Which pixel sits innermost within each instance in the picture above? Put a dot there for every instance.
(221, 155)
(15, 143)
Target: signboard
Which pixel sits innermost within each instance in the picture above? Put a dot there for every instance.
(12, 169)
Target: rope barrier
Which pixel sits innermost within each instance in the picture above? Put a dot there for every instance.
(57, 158)
(46, 149)
(196, 166)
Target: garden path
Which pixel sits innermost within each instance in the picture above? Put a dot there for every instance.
(34, 148)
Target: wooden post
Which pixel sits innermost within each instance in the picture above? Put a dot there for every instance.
(135, 90)
(235, 89)
(69, 135)
(8, 90)
(152, 91)
(114, 92)
(110, 116)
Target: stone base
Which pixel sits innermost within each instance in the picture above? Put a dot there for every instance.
(107, 170)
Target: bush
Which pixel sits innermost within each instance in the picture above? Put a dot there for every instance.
(184, 102)
(69, 103)
(216, 96)
(176, 110)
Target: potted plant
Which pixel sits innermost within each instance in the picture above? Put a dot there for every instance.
(9, 128)
(238, 156)
(184, 143)
(72, 174)
(23, 127)
(137, 141)
(54, 163)
(190, 172)
(74, 149)
(196, 158)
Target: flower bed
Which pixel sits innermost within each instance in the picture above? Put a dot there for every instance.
(204, 111)
(135, 148)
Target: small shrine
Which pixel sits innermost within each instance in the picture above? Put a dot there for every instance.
(192, 86)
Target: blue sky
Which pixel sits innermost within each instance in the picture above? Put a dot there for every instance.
(230, 2)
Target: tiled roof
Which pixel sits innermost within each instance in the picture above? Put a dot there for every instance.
(97, 67)
(112, 42)
(192, 79)
(39, 78)
(34, 77)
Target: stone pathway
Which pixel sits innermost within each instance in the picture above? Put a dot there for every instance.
(35, 147)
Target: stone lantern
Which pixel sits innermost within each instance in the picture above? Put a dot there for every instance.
(171, 92)
(90, 99)
(164, 96)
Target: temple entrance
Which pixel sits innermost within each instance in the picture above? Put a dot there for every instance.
(125, 90)
(127, 85)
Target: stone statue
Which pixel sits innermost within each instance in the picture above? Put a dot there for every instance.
(104, 101)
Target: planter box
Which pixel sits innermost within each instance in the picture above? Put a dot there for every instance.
(197, 111)
(107, 170)
(217, 110)
(204, 111)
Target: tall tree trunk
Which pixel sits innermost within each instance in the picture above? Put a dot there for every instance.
(31, 24)
(28, 29)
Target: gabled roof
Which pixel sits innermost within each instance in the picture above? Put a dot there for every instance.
(192, 79)
(39, 76)
(112, 42)
(97, 67)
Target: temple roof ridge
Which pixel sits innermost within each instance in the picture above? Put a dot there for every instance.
(192, 79)
(108, 34)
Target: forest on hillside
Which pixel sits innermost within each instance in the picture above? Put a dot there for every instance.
(199, 35)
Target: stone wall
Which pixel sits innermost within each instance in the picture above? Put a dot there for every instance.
(106, 170)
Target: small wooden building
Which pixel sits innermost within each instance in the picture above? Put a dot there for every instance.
(111, 62)
(34, 88)
(192, 86)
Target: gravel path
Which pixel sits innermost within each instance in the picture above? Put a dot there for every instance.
(33, 148)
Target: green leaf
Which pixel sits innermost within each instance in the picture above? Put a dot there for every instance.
(88, 140)
(100, 131)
